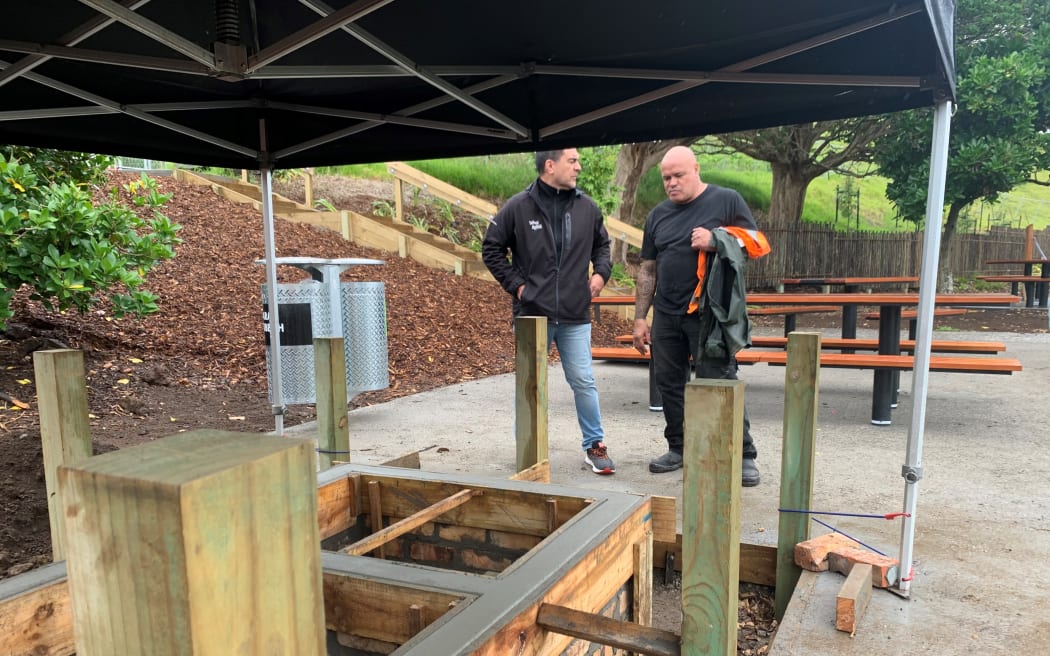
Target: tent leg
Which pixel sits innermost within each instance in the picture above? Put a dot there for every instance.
(277, 403)
(912, 469)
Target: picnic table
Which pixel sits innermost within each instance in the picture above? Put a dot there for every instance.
(1034, 286)
(890, 307)
(888, 361)
(850, 285)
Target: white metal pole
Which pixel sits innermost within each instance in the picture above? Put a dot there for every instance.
(912, 470)
(277, 404)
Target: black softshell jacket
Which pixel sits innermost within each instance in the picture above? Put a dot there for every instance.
(554, 289)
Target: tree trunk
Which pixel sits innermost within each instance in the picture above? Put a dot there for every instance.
(951, 225)
(631, 164)
(788, 195)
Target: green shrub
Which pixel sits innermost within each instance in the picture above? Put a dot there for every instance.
(70, 252)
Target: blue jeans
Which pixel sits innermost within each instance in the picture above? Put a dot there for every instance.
(574, 347)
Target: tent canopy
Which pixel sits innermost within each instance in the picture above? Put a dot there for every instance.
(286, 84)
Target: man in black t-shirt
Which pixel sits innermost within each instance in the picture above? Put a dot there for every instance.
(667, 280)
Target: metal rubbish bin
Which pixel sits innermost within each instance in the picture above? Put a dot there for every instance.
(324, 307)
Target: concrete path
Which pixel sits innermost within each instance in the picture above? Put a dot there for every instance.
(981, 582)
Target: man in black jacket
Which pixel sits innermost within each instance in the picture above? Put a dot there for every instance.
(554, 233)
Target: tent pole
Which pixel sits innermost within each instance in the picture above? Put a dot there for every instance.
(912, 469)
(277, 402)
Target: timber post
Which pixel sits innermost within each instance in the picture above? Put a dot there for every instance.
(530, 391)
(333, 430)
(714, 435)
(65, 433)
(801, 393)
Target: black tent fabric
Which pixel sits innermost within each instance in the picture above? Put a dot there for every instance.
(286, 84)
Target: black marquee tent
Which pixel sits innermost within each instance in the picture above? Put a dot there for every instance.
(286, 84)
(264, 84)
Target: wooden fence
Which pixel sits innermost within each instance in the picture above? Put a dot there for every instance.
(821, 251)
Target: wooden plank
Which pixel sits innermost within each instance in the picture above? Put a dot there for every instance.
(378, 610)
(408, 461)
(961, 364)
(589, 584)
(625, 232)
(642, 593)
(39, 619)
(853, 597)
(938, 345)
(530, 391)
(65, 432)
(603, 630)
(336, 506)
(442, 190)
(789, 309)
(801, 393)
(333, 429)
(843, 298)
(539, 473)
(714, 427)
(158, 567)
(665, 518)
(375, 506)
(510, 510)
(912, 314)
(758, 562)
(1036, 279)
(410, 523)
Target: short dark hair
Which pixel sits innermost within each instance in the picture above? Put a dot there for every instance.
(543, 155)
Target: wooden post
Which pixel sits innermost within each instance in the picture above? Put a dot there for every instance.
(801, 392)
(530, 394)
(643, 581)
(714, 437)
(333, 430)
(308, 186)
(244, 176)
(399, 200)
(346, 225)
(203, 543)
(1029, 243)
(65, 433)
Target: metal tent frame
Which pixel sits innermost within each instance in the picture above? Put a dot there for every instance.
(265, 84)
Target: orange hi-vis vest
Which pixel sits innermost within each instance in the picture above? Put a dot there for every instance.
(753, 241)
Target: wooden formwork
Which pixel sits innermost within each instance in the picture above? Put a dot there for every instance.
(467, 581)
(422, 563)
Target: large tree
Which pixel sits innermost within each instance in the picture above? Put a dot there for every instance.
(999, 129)
(632, 162)
(798, 154)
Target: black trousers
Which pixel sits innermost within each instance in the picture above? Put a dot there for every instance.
(674, 341)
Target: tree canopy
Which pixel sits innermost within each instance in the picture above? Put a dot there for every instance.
(999, 135)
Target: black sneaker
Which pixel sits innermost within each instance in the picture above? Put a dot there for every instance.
(597, 456)
(668, 462)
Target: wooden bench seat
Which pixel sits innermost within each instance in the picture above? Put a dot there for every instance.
(1035, 287)
(913, 314)
(990, 365)
(913, 317)
(955, 363)
(789, 309)
(907, 345)
(790, 313)
(1008, 278)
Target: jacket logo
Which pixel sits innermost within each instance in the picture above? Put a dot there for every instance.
(535, 225)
